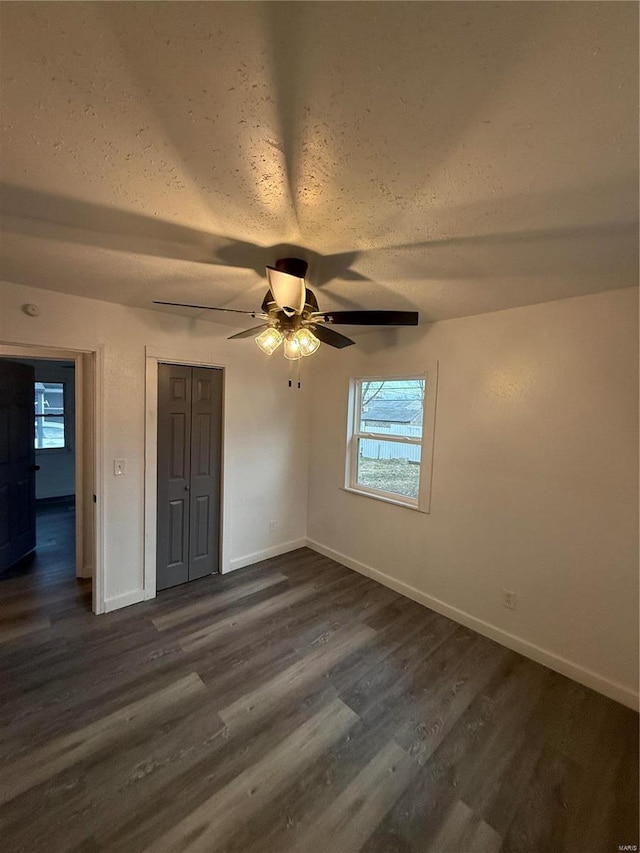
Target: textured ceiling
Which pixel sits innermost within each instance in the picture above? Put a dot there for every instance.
(450, 157)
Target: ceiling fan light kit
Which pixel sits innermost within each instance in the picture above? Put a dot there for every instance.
(307, 341)
(296, 344)
(292, 316)
(269, 340)
(300, 343)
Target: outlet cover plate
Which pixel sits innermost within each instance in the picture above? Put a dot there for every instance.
(509, 599)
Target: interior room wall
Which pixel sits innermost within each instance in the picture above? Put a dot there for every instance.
(535, 464)
(265, 450)
(535, 480)
(56, 477)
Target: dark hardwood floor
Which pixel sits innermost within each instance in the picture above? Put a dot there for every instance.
(294, 706)
(42, 587)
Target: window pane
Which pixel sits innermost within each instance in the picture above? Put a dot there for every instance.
(392, 406)
(49, 399)
(49, 431)
(54, 398)
(389, 466)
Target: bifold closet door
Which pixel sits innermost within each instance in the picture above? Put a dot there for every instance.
(189, 462)
(204, 509)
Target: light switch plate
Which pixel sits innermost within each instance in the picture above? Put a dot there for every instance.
(119, 467)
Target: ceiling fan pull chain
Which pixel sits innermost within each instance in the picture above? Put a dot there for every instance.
(292, 367)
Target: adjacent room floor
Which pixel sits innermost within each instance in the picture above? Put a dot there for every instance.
(42, 588)
(297, 706)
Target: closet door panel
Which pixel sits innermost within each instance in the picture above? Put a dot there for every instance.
(206, 435)
(174, 474)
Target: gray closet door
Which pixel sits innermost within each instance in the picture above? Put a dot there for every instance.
(206, 426)
(17, 463)
(189, 458)
(174, 471)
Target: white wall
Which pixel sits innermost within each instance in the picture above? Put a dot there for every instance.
(535, 480)
(265, 455)
(535, 465)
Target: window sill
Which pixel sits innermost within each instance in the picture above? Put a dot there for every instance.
(388, 500)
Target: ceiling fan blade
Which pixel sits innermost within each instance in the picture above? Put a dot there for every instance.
(288, 290)
(211, 308)
(249, 333)
(370, 318)
(328, 336)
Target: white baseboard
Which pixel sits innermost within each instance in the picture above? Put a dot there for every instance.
(257, 556)
(612, 689)
(123, 600)
(138, 595)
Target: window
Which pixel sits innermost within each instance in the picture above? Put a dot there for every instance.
(49, 432)
(388, 450)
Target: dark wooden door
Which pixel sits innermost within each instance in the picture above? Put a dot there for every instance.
(189, 462)
(17, 463)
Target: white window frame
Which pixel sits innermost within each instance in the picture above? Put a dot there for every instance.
(67, 442)
(423, 502)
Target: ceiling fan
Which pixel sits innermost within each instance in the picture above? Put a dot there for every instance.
(291, 314)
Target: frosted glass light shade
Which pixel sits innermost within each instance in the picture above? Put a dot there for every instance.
(292, 349)
(269, 340)
(302, 342)
(307, 341)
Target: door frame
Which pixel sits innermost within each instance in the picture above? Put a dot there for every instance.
(153, 357)
(87, 467)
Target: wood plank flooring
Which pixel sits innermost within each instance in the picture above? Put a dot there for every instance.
(293, 706)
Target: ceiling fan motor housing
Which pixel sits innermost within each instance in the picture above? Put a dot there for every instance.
(269, 305)
(293, 266)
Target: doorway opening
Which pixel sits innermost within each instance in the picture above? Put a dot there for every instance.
(53, 561)
(59, 567)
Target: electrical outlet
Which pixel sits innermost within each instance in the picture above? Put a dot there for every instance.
(509, 599)
(273, 525)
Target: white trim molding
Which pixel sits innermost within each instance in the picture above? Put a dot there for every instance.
(613, 689)
(265, 553)
(355, 434)
(89, 555)
(124, 600)
(154, 357)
